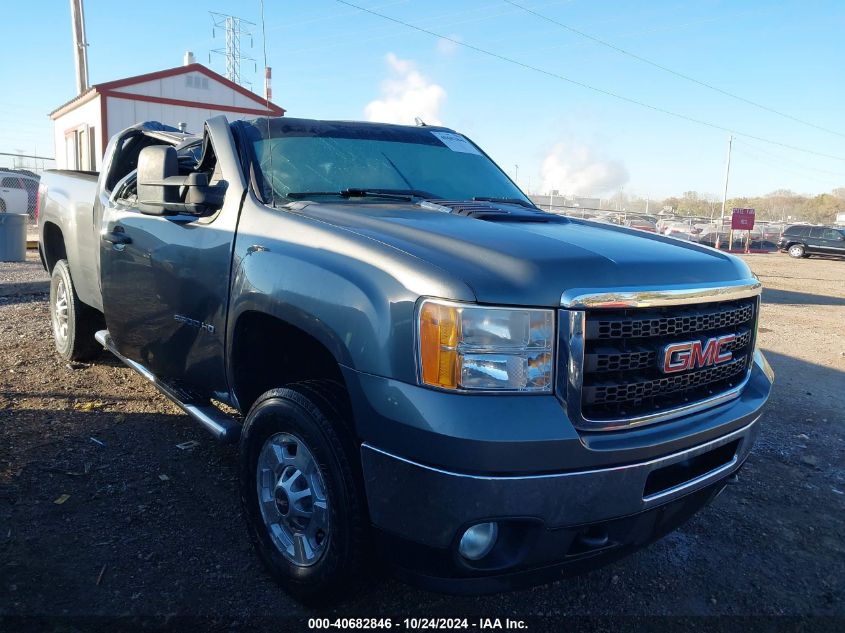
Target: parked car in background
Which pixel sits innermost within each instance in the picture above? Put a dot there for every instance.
(13, 197)
(18, 191)
(802, 241)
(678, 229)
(640, 222)
(770, 231)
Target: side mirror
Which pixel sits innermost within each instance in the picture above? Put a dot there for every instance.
(156, 165)
(162, 191)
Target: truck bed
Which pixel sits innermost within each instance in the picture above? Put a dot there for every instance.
(68, 203)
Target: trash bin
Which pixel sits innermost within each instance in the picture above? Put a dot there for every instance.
(13, 237)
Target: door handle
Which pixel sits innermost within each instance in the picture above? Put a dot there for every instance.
(117, 237)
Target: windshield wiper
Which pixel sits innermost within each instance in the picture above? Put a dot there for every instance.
(518, 201)
(391, 194)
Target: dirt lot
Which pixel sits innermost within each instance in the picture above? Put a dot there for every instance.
(101, 514)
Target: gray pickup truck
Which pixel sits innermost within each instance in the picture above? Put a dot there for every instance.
(422, 364)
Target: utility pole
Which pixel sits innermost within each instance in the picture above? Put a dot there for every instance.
(725, 195)
(80, 45)
(727, 175)
(235, 29)
(516, 175)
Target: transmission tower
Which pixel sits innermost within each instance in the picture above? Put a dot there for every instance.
(235, 29)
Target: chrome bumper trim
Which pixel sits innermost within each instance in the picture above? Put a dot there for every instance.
(659, 296)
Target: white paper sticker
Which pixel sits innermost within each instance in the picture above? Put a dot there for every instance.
(456, 142)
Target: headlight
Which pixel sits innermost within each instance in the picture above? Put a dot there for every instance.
(467, 347)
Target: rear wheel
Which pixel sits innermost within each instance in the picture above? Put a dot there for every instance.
(302, 490)
(796, 251)
(74, 323)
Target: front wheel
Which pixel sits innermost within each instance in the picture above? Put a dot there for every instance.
(302, 490)
(796, 251)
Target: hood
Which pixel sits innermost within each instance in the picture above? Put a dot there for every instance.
(532, 263)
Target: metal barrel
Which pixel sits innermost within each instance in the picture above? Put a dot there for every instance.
(13, 237)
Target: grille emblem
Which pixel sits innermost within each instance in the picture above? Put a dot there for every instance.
(695, 354)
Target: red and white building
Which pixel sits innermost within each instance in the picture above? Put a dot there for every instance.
(186, 95)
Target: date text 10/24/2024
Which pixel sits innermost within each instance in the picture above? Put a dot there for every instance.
(418, 624)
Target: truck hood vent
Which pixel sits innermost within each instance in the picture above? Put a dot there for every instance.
(492, 212)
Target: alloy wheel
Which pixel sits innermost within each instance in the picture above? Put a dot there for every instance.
(60, 313)
(292, 497)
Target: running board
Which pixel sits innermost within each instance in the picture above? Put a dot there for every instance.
(220, 425)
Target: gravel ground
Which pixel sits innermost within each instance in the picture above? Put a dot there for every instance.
(17, 278)
(102, 516)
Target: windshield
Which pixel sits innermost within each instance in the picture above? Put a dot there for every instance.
(296, 156)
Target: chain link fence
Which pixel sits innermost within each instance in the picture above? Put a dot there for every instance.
(20, 175)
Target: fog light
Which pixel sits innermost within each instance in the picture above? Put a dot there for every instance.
(478, 540)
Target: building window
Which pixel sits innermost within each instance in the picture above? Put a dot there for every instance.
(196, 81)
(80, 148)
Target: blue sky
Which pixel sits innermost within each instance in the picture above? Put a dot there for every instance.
(332, 61)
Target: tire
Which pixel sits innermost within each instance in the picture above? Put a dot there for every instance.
(74, 323)
(314, 416)
(796, 251)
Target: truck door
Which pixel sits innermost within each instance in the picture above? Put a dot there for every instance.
(165, 283)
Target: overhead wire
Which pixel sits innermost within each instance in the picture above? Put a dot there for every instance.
(486, 11)
(587, 86)
(671, 71)
(775, 164)
(780, 158)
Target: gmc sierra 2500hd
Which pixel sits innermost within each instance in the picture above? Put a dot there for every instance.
(426, 364)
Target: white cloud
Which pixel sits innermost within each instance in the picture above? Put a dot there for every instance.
(576, 169)
(405, 95)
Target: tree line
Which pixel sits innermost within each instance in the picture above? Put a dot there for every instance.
(781, 205)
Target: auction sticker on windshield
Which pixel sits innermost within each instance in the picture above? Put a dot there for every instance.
(456, 142)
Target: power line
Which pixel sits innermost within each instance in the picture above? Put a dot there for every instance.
(574, 82)
(775, 164)
(669, 70)
(780, 158)
(380, 34)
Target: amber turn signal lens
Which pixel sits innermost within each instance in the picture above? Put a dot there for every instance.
(439, 337)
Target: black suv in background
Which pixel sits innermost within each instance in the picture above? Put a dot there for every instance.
(803, 241)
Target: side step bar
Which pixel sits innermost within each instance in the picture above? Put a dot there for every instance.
(223, 427)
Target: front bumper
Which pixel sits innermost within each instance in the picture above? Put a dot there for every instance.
(434, 464)
(433, 506)
(549, 525)
(545, 554)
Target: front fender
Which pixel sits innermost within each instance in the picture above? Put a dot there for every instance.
(353, 294)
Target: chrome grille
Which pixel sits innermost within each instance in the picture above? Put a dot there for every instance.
(612, 376)
(607, 359)
(634, 391)
(687, 322)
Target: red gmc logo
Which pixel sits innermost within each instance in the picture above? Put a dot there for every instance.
(694, 354)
